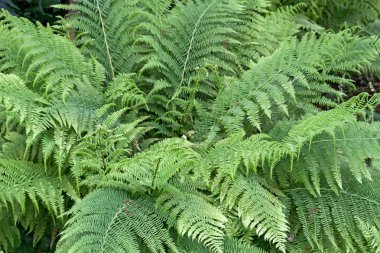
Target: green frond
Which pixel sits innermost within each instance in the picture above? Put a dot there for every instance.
(192, 216)
(334, 217)
(296, 75)
(191, 33)
(9, 233)
(327, 121)
(22, 181)
(371, 234)
(258, 209)
(54, 124)
(106, 31)
(258, 32)
(339, 14)
(353, 148)
(45, 60)
(153, 168)
(101, 148)
(124, 92)
(247, 155)
(108, 220)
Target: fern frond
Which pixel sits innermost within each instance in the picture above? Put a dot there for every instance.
(192, 216)
(108, 220)
(258, 32)
(192, 32)
(153, 168)
(258, 209)
(46, 61)
(352, 147)
(106, 145)
(335, 216)
(106, 31)
(339, 14)
(9, 233)
(124, 92)
(371, 234)
(234, 245)
(298, 74)
(22, 180)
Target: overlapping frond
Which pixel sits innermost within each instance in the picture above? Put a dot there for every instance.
(52, 123)
(234, 245)
(106, 145)
(191, 33)
(45, 60)
(106, 30)
(371, 234)
(23, 181)
(334, 217)
(295, 79)
(194, 217)
(258, 208)
(338, 14)
(349, 147)
(108, 220)
(154, 167)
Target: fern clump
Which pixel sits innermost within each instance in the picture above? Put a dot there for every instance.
(195, 126)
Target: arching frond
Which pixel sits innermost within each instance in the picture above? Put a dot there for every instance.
(338, 14)
(258, 209)
(46, 61)
(108, 220)
(371, 234)
(153, 168)
(107, 31)
(334, 217)
(234, 245)
(192, 32)
(22, 181)
(192, 216)
(351, 147)
(292, 81)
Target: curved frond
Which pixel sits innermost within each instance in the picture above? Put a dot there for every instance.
(108, 220)
(192, 216)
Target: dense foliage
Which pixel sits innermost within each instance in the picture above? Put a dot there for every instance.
(188, 126)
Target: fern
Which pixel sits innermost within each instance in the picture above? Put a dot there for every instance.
(371, 233)
(258, 209)
(22, 181)
(26, 190)
(153, 168)
(31, 52)
(193, 217)
(334, 216)
(292, 81)
(108, 220)
(189, 126)
(106, 31)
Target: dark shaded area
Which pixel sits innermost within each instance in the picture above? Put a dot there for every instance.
(35, 10)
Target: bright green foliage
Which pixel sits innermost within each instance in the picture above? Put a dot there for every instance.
(112, 222)
(371, 234)
(29, 195)
(187, 127)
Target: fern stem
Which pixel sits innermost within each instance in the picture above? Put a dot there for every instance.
(105, 39)
(104, 241)
(192, 41)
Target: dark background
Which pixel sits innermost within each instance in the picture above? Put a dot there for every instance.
(35, 10)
